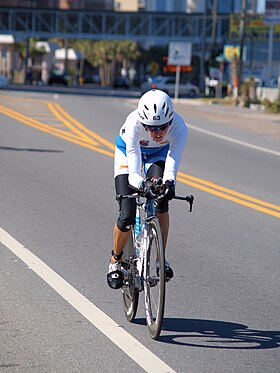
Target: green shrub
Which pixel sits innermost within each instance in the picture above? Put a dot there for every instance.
(271, 107)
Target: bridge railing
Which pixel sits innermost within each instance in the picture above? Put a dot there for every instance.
(109, 25)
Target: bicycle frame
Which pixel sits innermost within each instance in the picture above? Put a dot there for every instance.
(149, 208)
(145, 269)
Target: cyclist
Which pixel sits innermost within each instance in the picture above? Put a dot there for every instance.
(152, 138)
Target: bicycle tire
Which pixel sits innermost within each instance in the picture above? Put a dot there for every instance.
(154, 281)
(130, 294)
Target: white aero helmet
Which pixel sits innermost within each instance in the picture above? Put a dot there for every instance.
(155, 108)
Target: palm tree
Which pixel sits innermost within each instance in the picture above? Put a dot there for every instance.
(107, 54)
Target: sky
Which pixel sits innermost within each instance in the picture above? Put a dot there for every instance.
(261, 6)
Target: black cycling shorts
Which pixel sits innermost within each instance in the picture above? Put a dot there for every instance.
(128, 206)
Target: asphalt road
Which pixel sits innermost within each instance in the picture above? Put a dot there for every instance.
(57, 211)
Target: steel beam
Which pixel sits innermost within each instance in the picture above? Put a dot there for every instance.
(141, 26)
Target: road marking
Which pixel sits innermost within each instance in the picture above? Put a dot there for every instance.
(212, 185)
(87, 138)
(202, 185)
(85, 129)
(89, 143)
(69, 125)
(223, 137)
(231, 139)
(126, 342)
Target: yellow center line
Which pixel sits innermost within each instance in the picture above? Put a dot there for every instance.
(85, 129)
(88, 142)
(71, 126)
(230, 198)
(35, 123)
(49, 129)
(228, 191)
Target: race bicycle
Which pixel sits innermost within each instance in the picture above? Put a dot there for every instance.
(144, 261)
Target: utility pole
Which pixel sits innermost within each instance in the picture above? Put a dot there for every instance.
(241, 35)
(66, 56)
(26, 63)
(203, 51)
(214, 27)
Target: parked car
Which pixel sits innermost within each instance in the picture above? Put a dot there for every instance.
(3, 81)
(167, 84)
(120, 82)
(274, 82)
(57, 77)
(92, 79)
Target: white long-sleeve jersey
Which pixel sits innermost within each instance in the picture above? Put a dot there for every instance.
(135, 143)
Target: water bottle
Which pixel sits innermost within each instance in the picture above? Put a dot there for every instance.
(138, 242)
(139, 233)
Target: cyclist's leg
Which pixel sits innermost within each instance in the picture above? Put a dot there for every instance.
(126, 214)
(128, 207)
(125, 219)
(156, 169)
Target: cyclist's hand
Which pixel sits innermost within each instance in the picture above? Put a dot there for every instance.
(151, 187)
(169, 189)
(148, 188)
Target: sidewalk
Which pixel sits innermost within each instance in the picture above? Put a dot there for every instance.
(244, 118)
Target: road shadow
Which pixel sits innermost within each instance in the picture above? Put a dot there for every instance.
(30, 150)
(216, 334)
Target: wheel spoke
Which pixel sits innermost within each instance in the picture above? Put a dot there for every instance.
(154, 284)
(130, 294)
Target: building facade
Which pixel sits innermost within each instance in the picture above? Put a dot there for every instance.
(60, 4)
(189, 6)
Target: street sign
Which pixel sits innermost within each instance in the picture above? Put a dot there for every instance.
(232, 51)
(254, 25)
(179, 53)
(272, 12)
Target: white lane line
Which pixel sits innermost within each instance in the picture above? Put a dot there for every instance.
(226, 138)
(134, 349)
(243, 143)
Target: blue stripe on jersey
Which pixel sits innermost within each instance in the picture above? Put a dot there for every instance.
(145, 151)
(121, 144)
(150, 151)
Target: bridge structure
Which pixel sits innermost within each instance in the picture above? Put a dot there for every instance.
(99, 25)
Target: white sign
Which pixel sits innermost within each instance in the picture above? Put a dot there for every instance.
(272, 12)
(179, 53)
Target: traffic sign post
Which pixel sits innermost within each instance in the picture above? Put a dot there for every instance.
(271, 17)
(179, 54)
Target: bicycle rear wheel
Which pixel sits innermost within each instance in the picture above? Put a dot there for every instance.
(130, 293)
(154, 282)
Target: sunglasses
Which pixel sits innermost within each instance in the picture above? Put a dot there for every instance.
(157, 128)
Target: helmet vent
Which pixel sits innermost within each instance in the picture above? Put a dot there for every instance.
(155, 108)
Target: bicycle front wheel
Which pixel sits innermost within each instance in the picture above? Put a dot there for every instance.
(154, 281)
(129, 292)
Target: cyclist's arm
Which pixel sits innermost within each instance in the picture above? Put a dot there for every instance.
(133, 153)
(178, 142)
